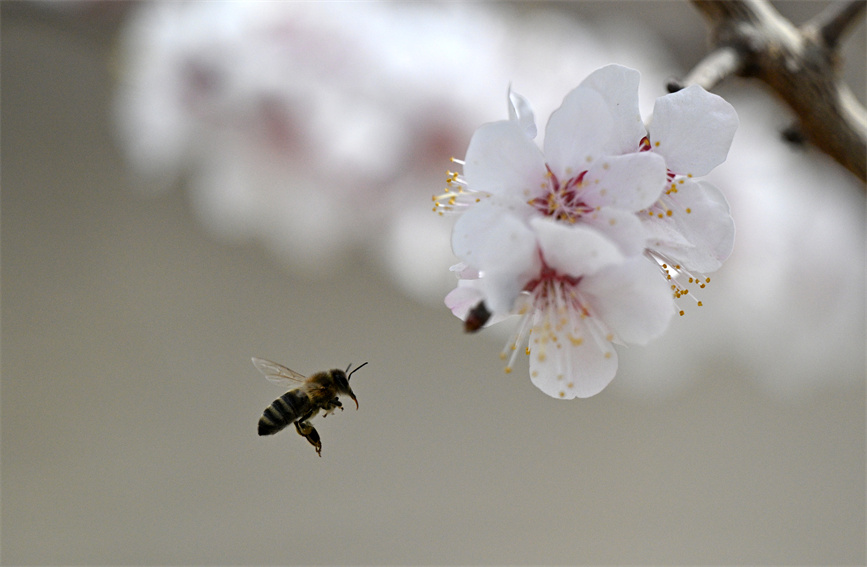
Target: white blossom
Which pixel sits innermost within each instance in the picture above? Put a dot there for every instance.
(559, 236)
(692, 231)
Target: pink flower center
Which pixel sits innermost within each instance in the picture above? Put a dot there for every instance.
(562, 200)
(549, 283)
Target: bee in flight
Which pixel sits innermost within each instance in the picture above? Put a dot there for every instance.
(299, 405)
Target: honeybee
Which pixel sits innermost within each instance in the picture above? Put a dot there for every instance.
(299, 405)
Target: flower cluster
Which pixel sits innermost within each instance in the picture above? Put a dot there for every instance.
(574, 237)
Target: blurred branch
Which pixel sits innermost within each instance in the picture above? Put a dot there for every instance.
(750, 38)
(836, 21)
(715, 67)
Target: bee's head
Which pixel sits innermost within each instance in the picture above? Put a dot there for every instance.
(341, 379)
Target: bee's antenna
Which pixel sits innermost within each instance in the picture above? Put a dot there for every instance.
(349, 374)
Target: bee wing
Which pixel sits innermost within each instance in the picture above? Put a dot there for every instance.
(277, 373)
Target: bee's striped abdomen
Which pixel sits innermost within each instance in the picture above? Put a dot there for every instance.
(285, 409)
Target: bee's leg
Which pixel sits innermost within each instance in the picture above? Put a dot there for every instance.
(331, 406)
(306, 430)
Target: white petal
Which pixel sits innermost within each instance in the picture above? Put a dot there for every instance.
(693, 130)
(521, 111)
(500, 291)
(631, 182)
(502, 247)
(473, 228)
(569, 363)
(577, 132)
(631, 299)
(467, 295)
(501, 159)
(700, 239)
(464, 297)
(618, 86)
(663, 235)
(574, 249)
(510, 246)
(621, 227)
(464, 271)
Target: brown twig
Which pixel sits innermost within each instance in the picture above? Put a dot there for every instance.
(801, 65)
(836, 21)
(715, 67)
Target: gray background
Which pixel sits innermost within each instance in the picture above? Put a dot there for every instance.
(129, 404)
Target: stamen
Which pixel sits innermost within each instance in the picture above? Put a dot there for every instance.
(680, 277)
(593, 325)
(559, 318)
(510, 351)
(644, 144)
(456, 196)
(562, 200)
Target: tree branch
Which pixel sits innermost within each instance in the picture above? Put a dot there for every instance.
(801, 66)
(716, 66)
(836, 21)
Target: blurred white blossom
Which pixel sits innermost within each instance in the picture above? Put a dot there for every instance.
(798, 271)
(315, 127)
